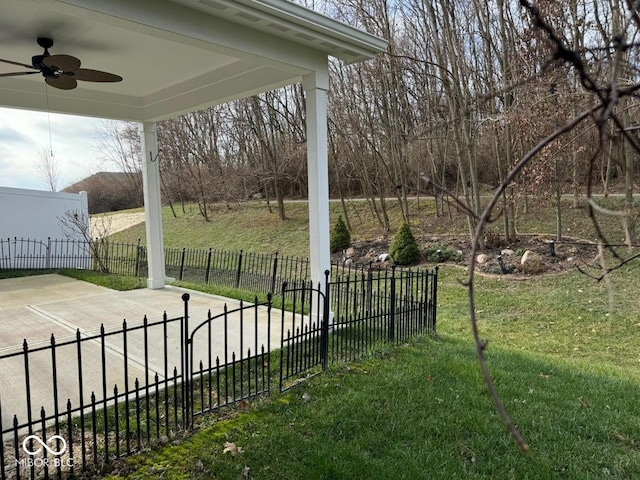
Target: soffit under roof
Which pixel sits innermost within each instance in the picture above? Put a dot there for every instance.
(174, 56)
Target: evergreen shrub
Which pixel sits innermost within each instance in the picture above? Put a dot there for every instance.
(404, 248)
(442, 253)
(340, 237)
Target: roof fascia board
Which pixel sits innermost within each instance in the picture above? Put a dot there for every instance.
(340, 32)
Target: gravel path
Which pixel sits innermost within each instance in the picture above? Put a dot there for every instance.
(114, 223)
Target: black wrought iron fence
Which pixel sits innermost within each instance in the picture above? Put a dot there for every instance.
(37, 254)
(77, 403)
(354, 313)
(106, 393)
(257, 272)
(98, 255)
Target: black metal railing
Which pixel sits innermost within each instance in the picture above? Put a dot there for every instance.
(99, 255)
(76, 403)
(256, 272)
(353, 314)
(112, 393)
(77, 399)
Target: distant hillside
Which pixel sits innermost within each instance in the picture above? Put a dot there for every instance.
(110, 191)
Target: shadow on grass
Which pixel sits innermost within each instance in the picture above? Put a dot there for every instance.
(422, 411)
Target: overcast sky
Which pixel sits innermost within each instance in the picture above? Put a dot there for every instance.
(24, 136)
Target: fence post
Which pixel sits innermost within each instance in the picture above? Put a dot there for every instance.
(324, 336)
(369, 289)
(11, 261)
(208, 270)
(182, 263)
(186, 358)
(48, 252)
(239, 270)
(275, 273)
(137, 266)
(25, 351)
(392, 306)
(434, 298)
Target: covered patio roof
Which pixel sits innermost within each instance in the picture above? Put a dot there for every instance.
(177, 56)
(174, 56)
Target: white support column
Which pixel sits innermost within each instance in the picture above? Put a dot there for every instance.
(316, 85)
(152, 205)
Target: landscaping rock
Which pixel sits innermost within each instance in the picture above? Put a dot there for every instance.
(532, 263)
(482, 258)
(526, 256)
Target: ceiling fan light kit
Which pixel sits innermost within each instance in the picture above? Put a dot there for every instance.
(60, 71)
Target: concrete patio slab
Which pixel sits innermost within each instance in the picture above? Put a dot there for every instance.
(37, 307)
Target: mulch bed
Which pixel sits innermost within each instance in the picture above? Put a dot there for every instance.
(554, 256)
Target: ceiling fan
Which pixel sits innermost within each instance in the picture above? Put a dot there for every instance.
(60, 71)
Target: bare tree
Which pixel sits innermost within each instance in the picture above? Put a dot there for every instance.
(48, 168)
(601, 81)
(75, 224)
(119, 145)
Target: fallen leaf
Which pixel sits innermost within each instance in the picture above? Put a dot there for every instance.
(245, 472)
(583, 402)
(430, 378)
(232, 448)
(243, 404)
(306, 397)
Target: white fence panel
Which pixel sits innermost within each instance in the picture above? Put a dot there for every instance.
(34, 213)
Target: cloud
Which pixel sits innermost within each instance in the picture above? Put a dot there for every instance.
(25, 135)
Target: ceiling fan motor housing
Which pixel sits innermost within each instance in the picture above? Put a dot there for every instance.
(37, 63)
(44, 42)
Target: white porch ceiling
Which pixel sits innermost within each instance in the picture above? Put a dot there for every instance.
(174, 56)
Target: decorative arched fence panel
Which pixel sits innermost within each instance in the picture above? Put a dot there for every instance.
(95, 396)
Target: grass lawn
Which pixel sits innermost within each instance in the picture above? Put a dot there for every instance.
(565, 362)
(253, 228)
(563, 350)
(421, 411)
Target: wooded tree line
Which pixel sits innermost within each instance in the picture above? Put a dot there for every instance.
(464, 90)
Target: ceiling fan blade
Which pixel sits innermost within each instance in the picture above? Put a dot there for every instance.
(62, 63)
(63, 82)
(18, 64)
(89, 75)
(16, 74)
